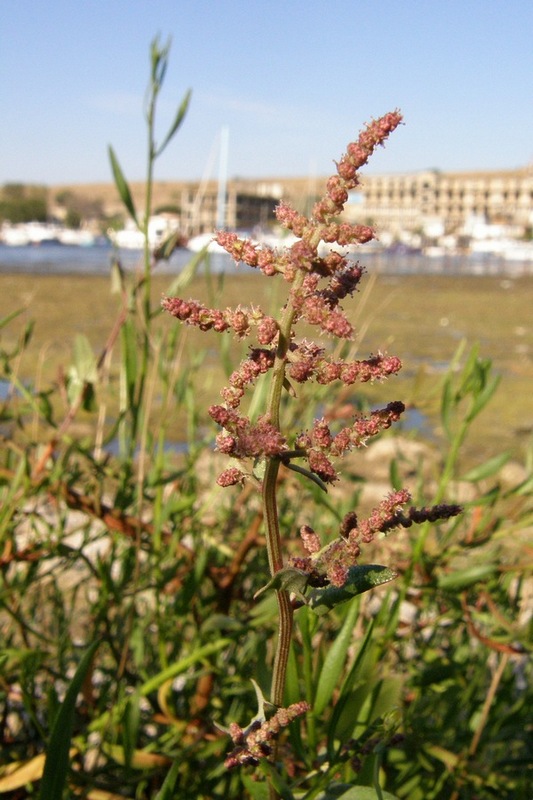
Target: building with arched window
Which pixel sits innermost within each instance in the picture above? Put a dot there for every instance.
(411, 201)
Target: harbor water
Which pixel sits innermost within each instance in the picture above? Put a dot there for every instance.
(96, 259)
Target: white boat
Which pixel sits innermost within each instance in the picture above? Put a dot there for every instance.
(508, 249)
(35, 233)
(131, 238)
(24, 233)
(76, 237)
(14, 235)
(204, 240)
(518, 251)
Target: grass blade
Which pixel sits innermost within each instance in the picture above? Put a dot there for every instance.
(334, 661)
(57, 757)
(167, 789)
(122, 185)
(178, 119)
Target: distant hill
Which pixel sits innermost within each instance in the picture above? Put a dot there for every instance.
(168, 193)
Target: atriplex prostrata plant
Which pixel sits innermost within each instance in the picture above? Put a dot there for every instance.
(327, 573)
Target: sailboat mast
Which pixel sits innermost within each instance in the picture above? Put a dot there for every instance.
(222, 179)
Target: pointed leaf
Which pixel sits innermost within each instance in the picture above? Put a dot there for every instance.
(488, 468)
(462, 579)
(167, 246)
(288, 579)
(481, 398)
(199, 654)
(166, 791)
(447, 405)
(180, 116)
(84, 359)
(118, 278)
(130, 727)
(451, 760)
(83, 374)
(57, 757)
(360, 579)
(10, 317)
(129, 366)
(334, 661)
(122, 186)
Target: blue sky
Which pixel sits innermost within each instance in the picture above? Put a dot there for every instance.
(293, 81)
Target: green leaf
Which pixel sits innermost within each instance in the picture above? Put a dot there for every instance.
(292, 683)
(83, 374)
(167, 246)
(129, 363)
(360, 677)
(360, 579)
(449, 759)
(10, 317)
(57, 757)
(118, 279)
(488, 468)
(461, 579)
(201, 653)
(287, 579)
(256, 790)
(122, 186)
(166, 791)
(523, 489)
(343, 791)
(482, 397)
(395, 477)
(334, 662)
(277, 781)
(130, 727)
(158, 61)
(447, 405)
(178, 119)
(84, 359)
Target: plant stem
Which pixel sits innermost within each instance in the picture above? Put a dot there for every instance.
(276, 563)
(270, 508)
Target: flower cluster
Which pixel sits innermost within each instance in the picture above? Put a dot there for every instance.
(309, 301)
(307, 360)
(239, 320)
(245, 251)
(258, 362)
(334, 560)
(242, 439)
(319, 444)
(254, 742)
